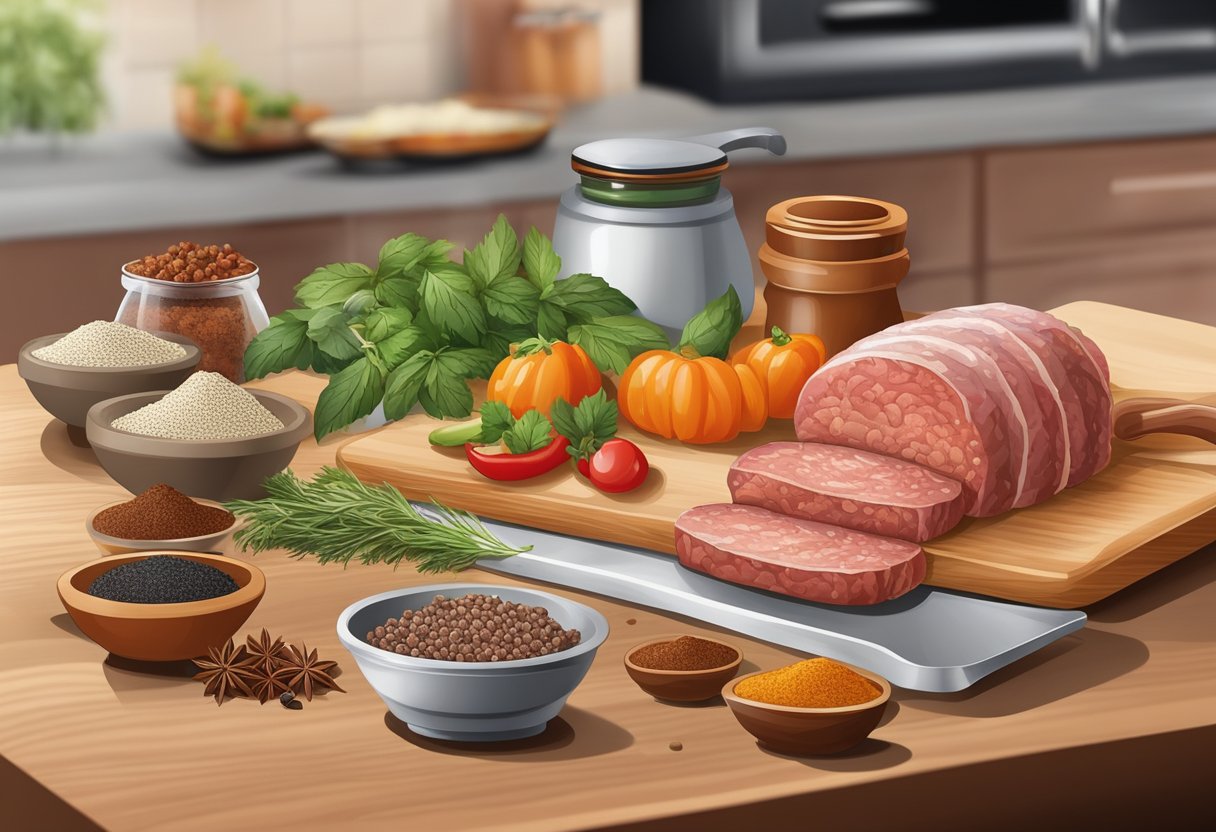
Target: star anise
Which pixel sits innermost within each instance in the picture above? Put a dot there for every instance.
(268, 684)
(226, 672)
(309, 674)
(266, 654)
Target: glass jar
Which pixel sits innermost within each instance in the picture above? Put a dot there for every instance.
(221, 316)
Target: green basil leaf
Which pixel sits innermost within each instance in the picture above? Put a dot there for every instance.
(331, 333)
(710, 331)
(511, 299)
(351, 394)
(541, 262)
(561, 414)
(450, 304)
(498, 340)
(399, 292)
(585, 297)
(445, 394)
(401, 254)
(467, 362)
(496, 256)
(404, 384)
(386, 321)
(281, 346)
(360, 303)
(332, 284)
(614, 341)
(531, 432)
(496, 419)
(399, 346)
(551, 321)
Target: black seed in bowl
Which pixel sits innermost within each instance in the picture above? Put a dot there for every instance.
(162, 579)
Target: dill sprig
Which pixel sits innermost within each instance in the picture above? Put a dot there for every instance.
(336, 517)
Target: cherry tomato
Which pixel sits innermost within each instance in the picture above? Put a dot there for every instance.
(618, 466)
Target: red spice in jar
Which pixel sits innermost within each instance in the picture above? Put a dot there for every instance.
(219, 326)
(161, 513)
(188, 262)
(684, 653)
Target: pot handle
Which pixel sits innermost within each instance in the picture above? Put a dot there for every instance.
(765, 138)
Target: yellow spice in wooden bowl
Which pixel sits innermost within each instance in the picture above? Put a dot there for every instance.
(813, 683)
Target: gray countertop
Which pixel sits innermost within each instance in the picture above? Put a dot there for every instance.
(116, 182)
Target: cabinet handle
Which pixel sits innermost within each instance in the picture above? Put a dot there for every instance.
(1190, 181)
(1123, 45)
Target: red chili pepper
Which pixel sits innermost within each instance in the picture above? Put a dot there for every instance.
(518, 466)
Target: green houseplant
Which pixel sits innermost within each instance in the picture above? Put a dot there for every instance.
(49, 67)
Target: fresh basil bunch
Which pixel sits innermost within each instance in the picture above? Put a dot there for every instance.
(416, 328)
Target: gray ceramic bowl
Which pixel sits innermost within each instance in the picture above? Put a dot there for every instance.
(214, 469)
(471, 701)
(67, 392)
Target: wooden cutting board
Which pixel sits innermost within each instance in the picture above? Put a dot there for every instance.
(1154, 504)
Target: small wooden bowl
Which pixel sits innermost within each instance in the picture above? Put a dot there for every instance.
(808, 731)
(160, 632)
(215, 544)
(682, 685)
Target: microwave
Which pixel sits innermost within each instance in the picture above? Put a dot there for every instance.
(756, 50)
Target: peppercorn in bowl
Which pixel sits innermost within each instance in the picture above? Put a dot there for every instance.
(69, 372)
(481, 692)
(849, 702)
(156, 626)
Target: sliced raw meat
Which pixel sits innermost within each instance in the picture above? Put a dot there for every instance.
(928, 400)
(1088, 381)
(814, 561)
(847, 487)
(1047, 448)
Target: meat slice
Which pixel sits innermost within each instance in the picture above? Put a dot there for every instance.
(927, 400)
(814, 561)
(1085, 387)
(847, 487)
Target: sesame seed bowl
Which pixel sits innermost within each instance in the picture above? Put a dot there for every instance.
(472, 701)
(217, 543)
(215, 469)
(67, 391)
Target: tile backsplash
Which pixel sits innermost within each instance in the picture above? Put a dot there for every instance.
(345, 54)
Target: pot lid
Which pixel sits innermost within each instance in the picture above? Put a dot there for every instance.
(647, 157)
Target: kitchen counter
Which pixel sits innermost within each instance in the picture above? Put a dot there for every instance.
(1112, 727)
(129, 182)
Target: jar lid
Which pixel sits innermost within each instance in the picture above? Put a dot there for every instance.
(648, 158)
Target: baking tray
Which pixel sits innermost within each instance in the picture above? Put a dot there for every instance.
(929, 640)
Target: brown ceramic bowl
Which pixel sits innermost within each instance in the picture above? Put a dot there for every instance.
(682, 685)
(67, 392)
(808, 731)
(216, 469)
(219, 543)
(160, 632)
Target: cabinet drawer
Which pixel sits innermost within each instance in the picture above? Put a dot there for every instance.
(1057, 201)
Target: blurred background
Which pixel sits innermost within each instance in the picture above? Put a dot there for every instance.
(1046, 150)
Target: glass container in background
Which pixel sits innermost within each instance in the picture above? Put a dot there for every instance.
(220, 316)
(558, 52)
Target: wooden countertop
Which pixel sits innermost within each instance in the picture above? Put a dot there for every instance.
(1109, 721)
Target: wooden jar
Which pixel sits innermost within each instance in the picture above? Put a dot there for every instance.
(833, 264)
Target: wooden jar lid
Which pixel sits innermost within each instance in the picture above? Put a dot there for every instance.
(836, 228)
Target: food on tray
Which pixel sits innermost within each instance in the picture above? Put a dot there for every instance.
(616, 467)
(450, 116)
(783, 363)
(110, 344)
(162, 513)
(814, 561)
(848, 487)
(684, 653)
(691, 393)
(813, 683)
(221, 111)
(426, 325)
(1013, 403)
(474, 628)
(162, 579)
(336, 518)
(538, 372)
(187, 262)
(264, 668)
(518, 449)
(220, 318)
(205, 406)
(612, 464)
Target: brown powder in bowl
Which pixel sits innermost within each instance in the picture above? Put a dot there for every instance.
(684, 653)
(161, 513)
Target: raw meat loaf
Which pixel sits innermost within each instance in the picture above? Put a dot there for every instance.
(1011, 402)
(847, 487)
(814, 561)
